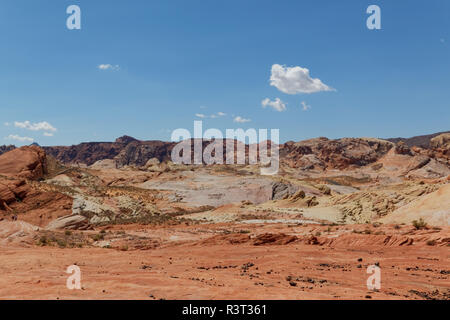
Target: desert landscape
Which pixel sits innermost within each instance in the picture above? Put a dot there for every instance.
(141, 227)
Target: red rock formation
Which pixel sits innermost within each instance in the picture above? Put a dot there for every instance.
(19, 196)
(16, 166)
(321, 153)
(26, 163)
(125, 150)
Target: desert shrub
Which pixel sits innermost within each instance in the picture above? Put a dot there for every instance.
(98, 237)
(43, 241)
(419, 224)
(61, 243)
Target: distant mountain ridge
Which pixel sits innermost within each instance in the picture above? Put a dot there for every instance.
(418, 141)
(319, 152)
(4, 149)
(125, 150)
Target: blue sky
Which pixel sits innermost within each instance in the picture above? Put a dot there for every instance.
(177, 59)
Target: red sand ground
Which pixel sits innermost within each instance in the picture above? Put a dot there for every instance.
(217, 269)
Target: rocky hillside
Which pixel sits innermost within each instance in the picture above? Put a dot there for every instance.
(19, 170)
(26, 163)
(318, 154)
(125, 151)
(423, 141)
(322, 153)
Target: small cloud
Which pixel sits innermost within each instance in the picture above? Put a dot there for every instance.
(44, 125)
(294, 80)
(217, 115)
(442, 40)
(239, 119)
(109, 67)
(7, 124)
(305, 107)
(277, 104)
(19, 138)
(48, 134)
(212, 116)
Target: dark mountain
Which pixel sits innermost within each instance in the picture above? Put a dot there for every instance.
(4, 149)
(125, 150)
(320, 152)
(418, 141)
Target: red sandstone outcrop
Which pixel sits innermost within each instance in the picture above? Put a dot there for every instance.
(26, 162)
(18, 195)
(322, 153)
(16, 166)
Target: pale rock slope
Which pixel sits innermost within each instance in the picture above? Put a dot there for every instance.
(433, 208)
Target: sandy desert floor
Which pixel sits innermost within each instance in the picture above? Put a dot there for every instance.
(224, 261)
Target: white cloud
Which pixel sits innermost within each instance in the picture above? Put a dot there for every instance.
(305, 107)
(241, 120)
(48, 134)
(277, 104)
(7, 124)
(293, 80)
(19, 138)
(212, 116)
(109, 67)
(44, 125)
